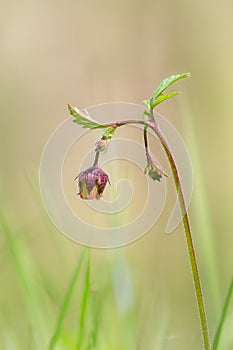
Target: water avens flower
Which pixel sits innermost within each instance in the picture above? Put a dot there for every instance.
(92, 182)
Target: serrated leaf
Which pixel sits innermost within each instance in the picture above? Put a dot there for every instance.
(162, 98)
(83, 119)
(165, 83)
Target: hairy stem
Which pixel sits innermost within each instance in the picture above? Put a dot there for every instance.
(191, 250)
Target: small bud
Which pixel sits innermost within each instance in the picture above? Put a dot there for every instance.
(154, 171)
(92, 182)
(101, 146)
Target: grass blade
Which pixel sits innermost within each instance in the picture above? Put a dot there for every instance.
(24, 268)
(85, 297)
(223, 316)
(66, 302)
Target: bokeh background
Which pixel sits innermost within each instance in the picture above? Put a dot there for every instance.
(85, 53)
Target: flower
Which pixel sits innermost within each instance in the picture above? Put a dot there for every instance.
(92, 182)
(154, 171)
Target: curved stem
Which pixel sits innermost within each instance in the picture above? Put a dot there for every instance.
(185, 219)
(191, 250)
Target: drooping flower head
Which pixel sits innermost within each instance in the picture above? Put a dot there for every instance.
(92, 182)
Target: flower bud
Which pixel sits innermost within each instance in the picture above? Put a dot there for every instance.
(92, 182)
(101, 146)
(154, 171)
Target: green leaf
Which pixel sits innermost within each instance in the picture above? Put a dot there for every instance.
(165, 83)
(82, 119)
(162, 98)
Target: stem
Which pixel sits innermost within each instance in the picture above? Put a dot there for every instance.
(187, 228)
(96, 158)
(146, 141)
(145, 138)
(191, 250)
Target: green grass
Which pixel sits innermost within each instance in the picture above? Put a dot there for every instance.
(98, 322)
(59, 296)
(23, 265)
(85, 318)
(85, 298)
(223, 317)
(65, 304)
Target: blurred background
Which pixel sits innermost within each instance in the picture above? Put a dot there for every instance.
(85, 53)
